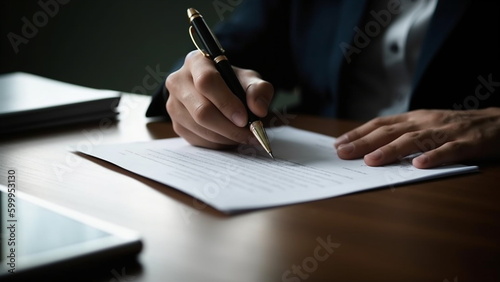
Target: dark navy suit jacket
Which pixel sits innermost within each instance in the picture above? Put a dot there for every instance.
(297, 43)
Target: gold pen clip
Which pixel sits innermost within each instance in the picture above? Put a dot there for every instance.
(191, 33)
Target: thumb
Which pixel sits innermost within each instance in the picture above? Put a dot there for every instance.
(259, 97)
(259, 92)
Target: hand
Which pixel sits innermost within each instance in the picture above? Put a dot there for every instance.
(203, 109)
(444, 136)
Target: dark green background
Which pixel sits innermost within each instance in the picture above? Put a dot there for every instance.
(103, 44)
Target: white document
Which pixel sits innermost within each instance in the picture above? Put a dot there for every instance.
(306, 168)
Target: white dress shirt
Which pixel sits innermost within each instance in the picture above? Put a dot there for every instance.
(377, 82)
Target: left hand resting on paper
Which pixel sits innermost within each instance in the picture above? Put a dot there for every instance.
(444, 136)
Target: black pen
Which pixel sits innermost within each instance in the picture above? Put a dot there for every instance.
(212, 49)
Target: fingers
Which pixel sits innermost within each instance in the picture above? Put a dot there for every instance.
(197, 115)
(185, 126)
(375, 137)
(203, 109)
(450, 152)
(405, 145)
(391, 143)
(368, 127)
(389, 139)
(210, 84)
(205, 141)
(443, 136)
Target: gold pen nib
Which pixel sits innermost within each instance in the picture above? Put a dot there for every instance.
(258, 130)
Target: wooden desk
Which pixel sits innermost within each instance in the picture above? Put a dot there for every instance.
(437, 230)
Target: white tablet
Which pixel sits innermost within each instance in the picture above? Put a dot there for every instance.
(39, 237)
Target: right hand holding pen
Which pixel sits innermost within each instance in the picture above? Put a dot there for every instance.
(203, 109)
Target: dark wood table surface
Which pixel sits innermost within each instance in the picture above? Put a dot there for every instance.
(439, 230)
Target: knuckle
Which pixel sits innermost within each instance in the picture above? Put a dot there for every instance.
(247, 72)
(421, 112)
(393, 147)
(414, 135)
(363, 143)
(225, 105)
(378, 121)
(477, 135)
(417, 115)
(267, 88)
(191, 56)
(170, 82)
(177, 128)
(388, 129)
(419, 139)
(352, 135)
(182, 131)
(202, 113)
(457, 147)
(206, 79)
(456, 128)
(171, 107)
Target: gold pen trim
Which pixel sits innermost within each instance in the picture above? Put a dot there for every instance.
(220, 58)
(193, 13)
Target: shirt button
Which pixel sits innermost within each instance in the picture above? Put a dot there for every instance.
(394, 47)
